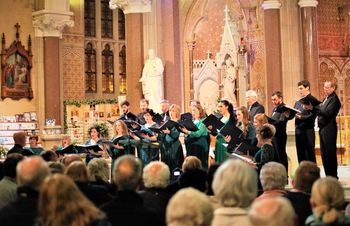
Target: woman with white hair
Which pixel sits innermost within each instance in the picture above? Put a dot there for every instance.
(189, 207)
(235, 188)
(327, 200)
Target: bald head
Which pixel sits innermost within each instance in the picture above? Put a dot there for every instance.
(31, 172)
(127, 173)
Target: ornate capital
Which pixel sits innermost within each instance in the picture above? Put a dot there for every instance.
(50, 23)
(191, 45)
(271, 4)
(307, 3)
(131, 6)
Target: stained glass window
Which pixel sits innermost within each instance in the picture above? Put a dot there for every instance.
(107, 70)
(90, 69)
(90, 18)
(106, 20)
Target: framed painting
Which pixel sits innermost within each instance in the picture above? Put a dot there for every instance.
(16, 65)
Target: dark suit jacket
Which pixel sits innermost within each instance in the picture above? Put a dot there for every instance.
(23, 211)
(128, 116)
(165, 116)
(127, 209)
(256, 108)
(19, 149)
(328, 111)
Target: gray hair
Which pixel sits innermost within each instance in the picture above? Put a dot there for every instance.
(127, 173)
(156, 175)
(272, 211)
(251, 93)
(189, 207)
(31, 172)
(235, 184)
(273, 175)
(98, 169)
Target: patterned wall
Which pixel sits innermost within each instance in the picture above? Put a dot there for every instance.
(334, 59)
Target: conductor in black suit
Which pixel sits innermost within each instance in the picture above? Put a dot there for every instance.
(127, 115)
(304, 126)
(327, 113)
(254, 107)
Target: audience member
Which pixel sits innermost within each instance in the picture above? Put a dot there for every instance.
(78, 172)
(8, 186)
(156, 178)
(272, 211)
(31, 172)
(306, 174)
(56, 167)
(327, 200)
(68, 159)
(235, 187)
(189, 207)
(127, 207)
(49, 156)
(62, 203)
(99, 174)
(20, 141)
(193, 176)
(273, 177)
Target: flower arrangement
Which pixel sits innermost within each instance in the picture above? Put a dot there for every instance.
(3, 152)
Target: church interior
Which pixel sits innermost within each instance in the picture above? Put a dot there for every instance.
(83, 57)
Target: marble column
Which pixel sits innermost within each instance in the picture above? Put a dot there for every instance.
(190, 46)
(310, 46)
(48, 25)
(273, 52)
(134, 58)
(134, 46)
(171, 51)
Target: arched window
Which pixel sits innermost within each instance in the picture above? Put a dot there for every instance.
(122, 70)
(90, 69)
(106, 20)
(90, 18)
(107, 70)
(121, 25)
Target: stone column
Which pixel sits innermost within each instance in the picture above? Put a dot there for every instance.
(190, 46)
(273, 53)
(171, 51)
(133, 10)
(310, 46)
(48, 24)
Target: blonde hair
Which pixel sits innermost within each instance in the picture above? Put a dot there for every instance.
(124, 128)
(62, 203)
(189, 207)
(98, 170)
(191, 163)
(78, 172)
(235, 184)
(328, 197)
(156, 174)
(176, 108)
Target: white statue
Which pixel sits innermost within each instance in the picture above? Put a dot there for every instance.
(229, 80)
(152, 80)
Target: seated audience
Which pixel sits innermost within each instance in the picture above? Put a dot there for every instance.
(8, 185)
(273, 177)
(49, 156)
(127, 207)
(193, 176)
(31, 172)
(305, 176)
(156, 178)
(209, 192)
(189, 207)
(98, 171)
(266, 153)
(68, 159)
(62, 203)
(20, 141)
(235, 187)
(56, 167)
(272, 211)
(78, 172)
(327, 200)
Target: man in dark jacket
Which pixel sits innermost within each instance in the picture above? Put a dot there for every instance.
(327, 113)
(31, 172)
(254, 107)
(127, 207)
(20, 142)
